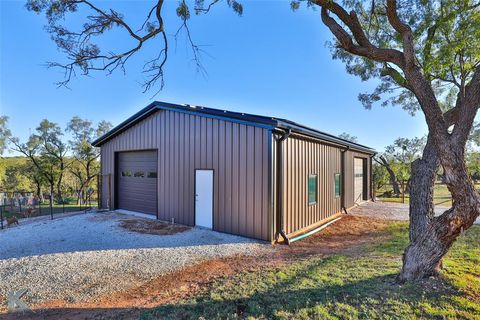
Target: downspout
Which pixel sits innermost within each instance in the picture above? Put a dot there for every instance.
(372, 194)
(280, 176)
(342, 169)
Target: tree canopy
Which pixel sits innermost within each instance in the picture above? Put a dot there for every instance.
(445, 46)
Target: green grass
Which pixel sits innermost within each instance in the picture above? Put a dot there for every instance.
(360, 286)
(441, 196)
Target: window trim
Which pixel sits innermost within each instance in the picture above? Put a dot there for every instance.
(339, 184)
(310, 203)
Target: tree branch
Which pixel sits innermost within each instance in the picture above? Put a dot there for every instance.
(404, 30)
(468, 107)
(346, 42)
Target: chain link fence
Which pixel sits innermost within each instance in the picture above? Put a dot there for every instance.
(15, 207)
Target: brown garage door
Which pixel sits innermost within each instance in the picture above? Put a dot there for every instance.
(137, 181)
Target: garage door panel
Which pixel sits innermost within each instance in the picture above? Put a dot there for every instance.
(137, 193)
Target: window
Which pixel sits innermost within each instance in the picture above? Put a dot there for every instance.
(139, 174)
(152, 175)
(312, 189)
(337, 185)
(126, 173)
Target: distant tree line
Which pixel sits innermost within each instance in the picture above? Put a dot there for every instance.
(392, 167)
(50, 163)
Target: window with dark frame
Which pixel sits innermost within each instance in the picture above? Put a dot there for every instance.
(152, 175)
(338, 185)
(312, 189)
(126, 173)
(139, 174)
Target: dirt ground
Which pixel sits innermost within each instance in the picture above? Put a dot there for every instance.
(152, 227)
(347, 235)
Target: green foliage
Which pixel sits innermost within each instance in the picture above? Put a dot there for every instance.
(401, 153)
(446, 47)
(357, 285)
(50, 162)
(473, 164)
(16, 179)
(85, 165)
(380, 176)
(12, 168)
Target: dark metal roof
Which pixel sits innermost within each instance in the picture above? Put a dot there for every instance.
(252, 119)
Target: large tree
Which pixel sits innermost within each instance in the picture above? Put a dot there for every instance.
(426, 55)
(48, 154)
(397, 160)
(86, 156)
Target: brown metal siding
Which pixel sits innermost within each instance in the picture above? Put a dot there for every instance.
(301, 158)
(238, 153)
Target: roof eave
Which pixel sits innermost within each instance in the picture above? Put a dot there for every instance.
(325, 137)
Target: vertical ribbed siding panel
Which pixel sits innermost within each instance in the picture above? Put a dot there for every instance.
(228, 181)
(242, 207)
(191, 175)
(219, 218)
(237, 153)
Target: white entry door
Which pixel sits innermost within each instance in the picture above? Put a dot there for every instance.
(204, 198)
(358, 180)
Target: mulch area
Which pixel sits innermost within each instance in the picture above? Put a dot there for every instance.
(152, 227)
(348, 236)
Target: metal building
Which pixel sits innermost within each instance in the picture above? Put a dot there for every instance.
(255, 176)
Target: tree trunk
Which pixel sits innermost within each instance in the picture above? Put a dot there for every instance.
(408, 185)
(393, 181)
(391, 174)
(430, 236)
(59, 190)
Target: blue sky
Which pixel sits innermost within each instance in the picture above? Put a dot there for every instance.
(270, 61)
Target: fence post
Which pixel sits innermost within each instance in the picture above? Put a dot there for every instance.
(403, 192)
(63, 205)
(1, 215)
(51, 206)
(99, 193)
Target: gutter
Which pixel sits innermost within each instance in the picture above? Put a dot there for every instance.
(342, 170)
(280, 212)
(300, 237)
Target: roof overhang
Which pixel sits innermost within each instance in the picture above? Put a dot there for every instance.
(270, 123)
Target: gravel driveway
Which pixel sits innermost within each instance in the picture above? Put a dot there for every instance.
(81, 257)
(389, 210)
